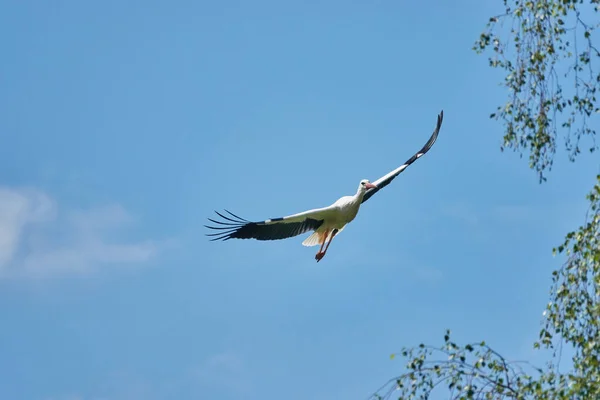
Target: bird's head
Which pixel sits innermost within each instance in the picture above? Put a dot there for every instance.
(364, 185)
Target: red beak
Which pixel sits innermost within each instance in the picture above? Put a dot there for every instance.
(370, 186)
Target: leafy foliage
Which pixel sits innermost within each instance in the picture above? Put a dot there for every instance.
(471, 371)
(549, 43)
(547, 53)
(573, 315)
(476, 371)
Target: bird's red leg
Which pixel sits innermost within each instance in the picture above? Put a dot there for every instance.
(321, 254)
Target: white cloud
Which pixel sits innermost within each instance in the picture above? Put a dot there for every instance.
(17, 210)
(37, 239)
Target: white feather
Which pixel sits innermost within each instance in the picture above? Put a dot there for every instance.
(312, 240)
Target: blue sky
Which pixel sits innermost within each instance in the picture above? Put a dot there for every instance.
(124, 125)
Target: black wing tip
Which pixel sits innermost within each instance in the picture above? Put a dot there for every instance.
(440, 119)
(432, 139)
(235, 216)
(228, 227)
(424, 150)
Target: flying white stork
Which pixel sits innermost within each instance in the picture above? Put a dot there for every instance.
(325, 222)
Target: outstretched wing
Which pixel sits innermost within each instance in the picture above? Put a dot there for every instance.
(386, 179)
(234, 227)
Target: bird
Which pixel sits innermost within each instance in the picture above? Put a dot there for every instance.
(325, 222)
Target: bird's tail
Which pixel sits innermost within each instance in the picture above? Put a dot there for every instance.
(313, 240)
(317, 238)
